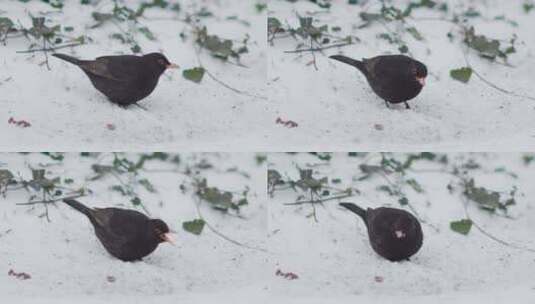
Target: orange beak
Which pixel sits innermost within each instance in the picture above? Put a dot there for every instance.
(421, 80)
(166, 237)
(172, 66)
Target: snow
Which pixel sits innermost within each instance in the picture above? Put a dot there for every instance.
(336, 264)
(67, 263)
(334, 107)
(328, 261)
(337, 111)
(66, 112)
(331, 258)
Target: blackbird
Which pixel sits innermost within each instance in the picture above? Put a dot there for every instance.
(126, 234)
(394, 234)
(124, 79)
(395, 78)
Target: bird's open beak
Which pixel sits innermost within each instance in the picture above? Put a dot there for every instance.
(166, 237)
(421, 80)
(172, 66)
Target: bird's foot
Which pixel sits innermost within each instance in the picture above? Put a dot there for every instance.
(387, 104)
(407, 105)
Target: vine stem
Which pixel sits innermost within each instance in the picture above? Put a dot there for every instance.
(491, 84)
(468, 64)
(222, 235)
(488, 234)
(222, 83)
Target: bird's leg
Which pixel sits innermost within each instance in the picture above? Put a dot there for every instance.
(387, 105)
(407, 105)
(140, 106)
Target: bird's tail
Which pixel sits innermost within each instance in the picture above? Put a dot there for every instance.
(355, 209)
(79, 206)
(356, 63)
(68, 58)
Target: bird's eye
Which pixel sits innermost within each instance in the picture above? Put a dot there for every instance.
(161, 61)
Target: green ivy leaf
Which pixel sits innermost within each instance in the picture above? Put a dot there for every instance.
(260, 7)
(195, 74)
(274, 25)
(414, 32)
(148, 185)
(136, 201)
(5, 178)
(403, 201)
(195, 226)
(462, 74)
(5, 25)
(145, 31)
(415, 185)
(528, 7)
(461, 226)
(403, 49)
(136, 49)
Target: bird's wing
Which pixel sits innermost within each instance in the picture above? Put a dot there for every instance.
(386, 67)
(121, 222)
(118, 68)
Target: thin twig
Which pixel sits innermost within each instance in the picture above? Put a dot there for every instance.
(411, 207)
(313, 206)
(317, 49)
(50, 49)
(130, 190)
(319, 201)
(48, 67)
(50, 201)
(313, 54)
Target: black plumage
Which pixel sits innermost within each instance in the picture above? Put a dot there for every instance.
(395, 78)
(394, 234)
(126, 234)
(124, 79)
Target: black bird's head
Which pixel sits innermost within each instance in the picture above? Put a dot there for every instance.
(159, 62)
(418, 70)
(404, 227)
(162, 231)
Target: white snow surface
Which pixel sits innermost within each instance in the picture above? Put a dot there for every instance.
(336, 264)
(337, 111)
(67, 113)
(334, 107)
(68, 264)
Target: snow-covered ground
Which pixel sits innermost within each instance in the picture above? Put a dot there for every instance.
(333, 106)
(66, 113)
(67, 263)
(336, 264)
(331, 257)
(336, 109)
